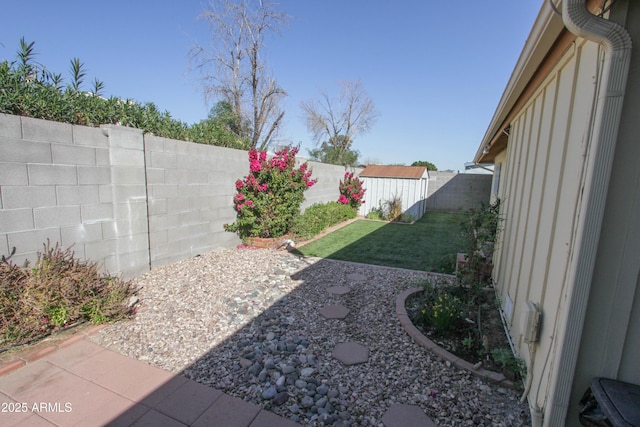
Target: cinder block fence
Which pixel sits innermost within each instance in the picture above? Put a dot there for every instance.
(133, 202)
(129, 201)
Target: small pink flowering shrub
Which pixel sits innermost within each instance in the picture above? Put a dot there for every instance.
(268, 199)
(351, 191)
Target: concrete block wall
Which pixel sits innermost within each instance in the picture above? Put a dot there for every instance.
(191, 188)
(130, 202)
(451, 192)
(327, 187)
(128, 241)
(55, 184)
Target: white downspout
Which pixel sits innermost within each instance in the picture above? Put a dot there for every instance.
(617, 47)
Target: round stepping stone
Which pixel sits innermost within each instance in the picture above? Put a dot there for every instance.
(401, 415)
(334, 311)
(351, 353)
(356, 277)
(338, 290)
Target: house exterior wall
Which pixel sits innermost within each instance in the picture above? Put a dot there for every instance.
(612, 324)
(541, 201)
(412, 192)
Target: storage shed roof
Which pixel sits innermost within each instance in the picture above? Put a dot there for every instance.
(382, 171)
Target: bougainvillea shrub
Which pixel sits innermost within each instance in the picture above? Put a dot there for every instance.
(351, 191)
(268, 199)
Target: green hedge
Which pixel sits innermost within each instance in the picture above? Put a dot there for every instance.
(29, 89)
(320, 216)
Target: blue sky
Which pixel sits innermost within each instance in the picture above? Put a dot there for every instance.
(434, 69)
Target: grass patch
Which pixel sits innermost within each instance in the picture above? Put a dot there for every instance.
(429, 244)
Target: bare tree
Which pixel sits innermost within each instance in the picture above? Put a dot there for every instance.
(233, 66)
(335, 123)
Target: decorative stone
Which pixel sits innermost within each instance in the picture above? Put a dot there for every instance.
(287, 369)
(351, 353)
(269, 393)
(307, 372)
(401, 415)
(334, 311)
(356, 277)
(280, 398)
(307, 402)
(338, 290)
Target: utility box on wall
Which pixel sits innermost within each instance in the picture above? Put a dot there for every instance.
(383, 183)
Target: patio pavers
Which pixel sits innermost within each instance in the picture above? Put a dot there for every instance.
(401, 415)
(334, 311)
(351, 353)
(338, 290)
(356, 277)
(86, 384)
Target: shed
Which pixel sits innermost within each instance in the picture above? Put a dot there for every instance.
(383, 183)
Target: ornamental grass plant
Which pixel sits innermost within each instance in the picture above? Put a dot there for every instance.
(57, 291)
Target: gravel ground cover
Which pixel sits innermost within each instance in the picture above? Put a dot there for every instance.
(247, 322)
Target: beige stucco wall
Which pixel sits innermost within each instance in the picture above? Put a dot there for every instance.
(541, 179)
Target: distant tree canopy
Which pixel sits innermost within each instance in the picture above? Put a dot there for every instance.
(334, 155)
(430, 166)
(221, 128)
(335, 122)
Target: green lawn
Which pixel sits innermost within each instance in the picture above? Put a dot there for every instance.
(429, 244)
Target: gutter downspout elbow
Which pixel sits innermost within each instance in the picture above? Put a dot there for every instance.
(617, 46)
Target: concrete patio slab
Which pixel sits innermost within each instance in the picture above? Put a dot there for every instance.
(351, 353)
(334, 311)
(84, 384)
(401, 415)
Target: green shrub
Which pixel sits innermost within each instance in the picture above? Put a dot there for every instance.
(57, 291)
(377, 213)
(29, 89)
(320, 216)
(444, 312)
(505, 359)
(440, 307)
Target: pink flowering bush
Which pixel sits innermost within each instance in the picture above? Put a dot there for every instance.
(351, 191)
(268, 199)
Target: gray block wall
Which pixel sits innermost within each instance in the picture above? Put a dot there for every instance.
(451, 192)
(130, 202)
(327, 187)
(191, 188)
(69, 185)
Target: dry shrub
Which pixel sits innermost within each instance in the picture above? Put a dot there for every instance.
(394, 206)
(59, 290)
